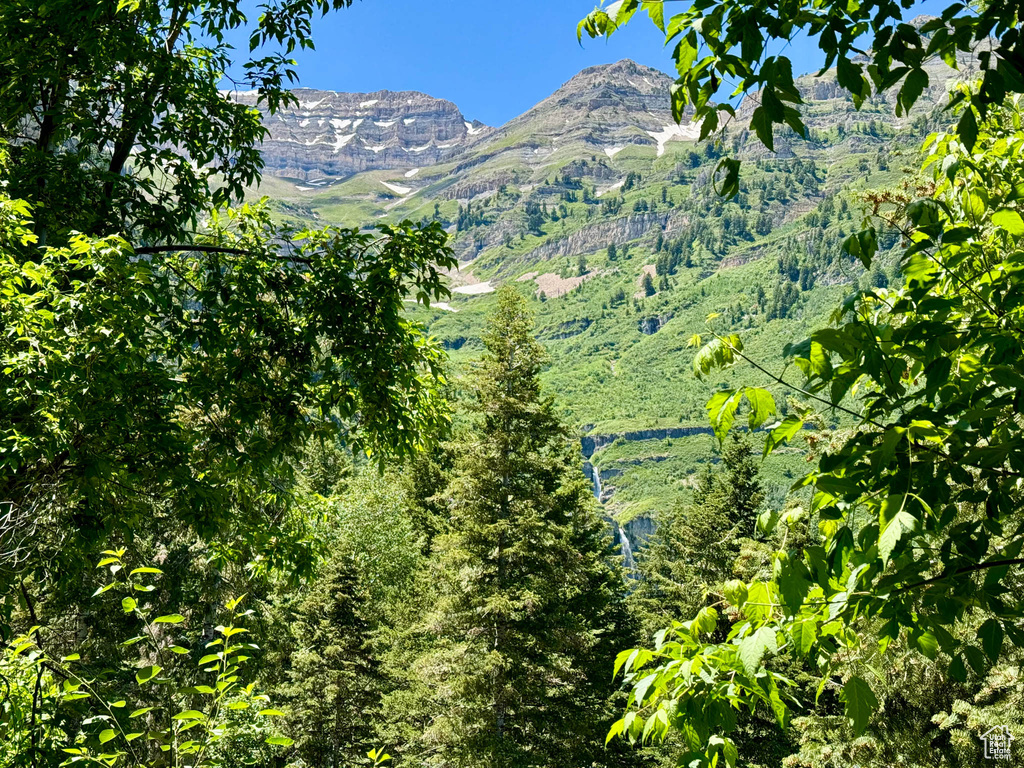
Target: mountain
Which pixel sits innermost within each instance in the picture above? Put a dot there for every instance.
(606, 107)
(329, 134)
(578, 199)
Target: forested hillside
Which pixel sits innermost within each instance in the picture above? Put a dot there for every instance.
(656, 427)
(603, 212)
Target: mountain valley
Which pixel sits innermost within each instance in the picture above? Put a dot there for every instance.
(603, 211)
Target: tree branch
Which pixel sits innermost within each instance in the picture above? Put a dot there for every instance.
(146, 249)
(149, 249)
(960, 572)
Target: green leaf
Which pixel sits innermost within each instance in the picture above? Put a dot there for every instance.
(656, 10)
(140, 712)
(793, 580)
(727, 748)
(615, 730)
(107, 735)
(717, 353)
(957, 670)
(722, 411)
(894, 524)
(735, 592)
(762, 406)
(760, 600)
(761, 124)
(928, 645)
(281, 741)
(1010, 221)
(860, 702)
(641, 688)
(803, 634)
(850, 76)
(976, 659)
(705, 622)
(174, 618)
(622, 658)
(753, 648)
(727, 173)
(146, 674)
(912, 89)
(767, 520)
(271, 713)
(991, 634)
(862, 245)
(967, 128)
(128, 604)
(190, 714)
(783, 433)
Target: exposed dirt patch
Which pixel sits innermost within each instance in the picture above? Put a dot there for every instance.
(647, 269)
(554, 285)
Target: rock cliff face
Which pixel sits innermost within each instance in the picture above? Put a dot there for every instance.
(331, 134)
(592, 443)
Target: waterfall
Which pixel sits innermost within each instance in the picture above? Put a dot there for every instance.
(626, 548)
(619, 537)
(595, 481)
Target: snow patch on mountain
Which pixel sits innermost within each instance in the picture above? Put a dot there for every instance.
(397, 189)
(475, 288)
(688, 132)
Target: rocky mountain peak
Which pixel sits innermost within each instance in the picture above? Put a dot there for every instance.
(609, 106)
(622, 73)
(332, 134)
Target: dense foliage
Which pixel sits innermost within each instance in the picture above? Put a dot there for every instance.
(919, 534)
(248, 406)
(116, 367)
(166, 358)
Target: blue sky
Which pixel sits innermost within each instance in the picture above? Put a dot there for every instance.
(493, 59)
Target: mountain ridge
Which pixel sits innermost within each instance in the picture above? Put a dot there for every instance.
(331, 134)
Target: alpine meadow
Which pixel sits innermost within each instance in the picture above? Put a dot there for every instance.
(676, 421)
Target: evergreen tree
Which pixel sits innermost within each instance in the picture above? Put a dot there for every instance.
(693, 548)
(331, 684)
(530, 610)
(739, 494)
(647, 284)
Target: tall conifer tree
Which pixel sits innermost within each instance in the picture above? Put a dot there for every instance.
(531, 609)
(694, 547)
(332, 683)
